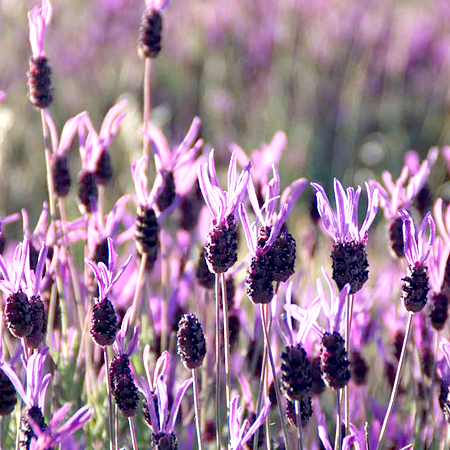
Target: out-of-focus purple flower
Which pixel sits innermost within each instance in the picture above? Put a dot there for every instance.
(393, 195)
(354, 439)
(105, 274)
(156, 5)
(342, 225)
(271, 218)
(241, 434)
(52, 435)
(39, 19)
(416, 249)
(436, 264)
(442, 220)
(12, 276)
(222, 204)
(119, 346)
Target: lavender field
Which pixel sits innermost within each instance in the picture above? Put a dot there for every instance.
(224, 225)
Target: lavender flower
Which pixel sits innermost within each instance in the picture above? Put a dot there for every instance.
(39, 76)
(104, 318)
(157, 403)
(170, 165)
(51, 436)
(221, 246)
(59, 163)
(33, 395)
(123, 387)
(415, 287)
(349, 255)
(241, 434)
(17, 308)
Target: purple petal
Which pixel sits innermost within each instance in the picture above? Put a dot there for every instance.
(11, 374)
(69, 131)
(341, 206)
(323, 435)
(234, 421)
(113, 115)
(176, 405)
(212, 169)
(325, 211)
(232, 175)
(247, 229)
(254, 199)
(336, 322)
(257, 423)
(162, 365)
(52, 128)
(372, 209)
(312, 313)
(427, 220)
(409, 238)
(207, 190)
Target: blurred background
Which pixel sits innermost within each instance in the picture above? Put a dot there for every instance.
(354, 84)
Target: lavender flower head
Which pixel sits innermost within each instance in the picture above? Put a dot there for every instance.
(104, 318)
(350, 264)
(221, 246)
(54, 435)
(39, 19)
(169, 163)
(156, 407)
(241, 434)
(415, 287)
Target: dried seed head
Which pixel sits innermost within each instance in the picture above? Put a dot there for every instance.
(306, 412)
(334, 361)
(281, 257)
(191, 341)
(40, 89)
(163, 441)
(204, 277)
(167, 196)
(8, 397)
(415, 289)
(234, 325)
(318, 385)
(87, 191)
(18, 315)
(39, 322)
(358, 368)
(190, 207)
(350, 265)
(296, 374)
(26, 432)
(444, 401)
(149, 44)
(259, 280)
(396, 237)
(146, 234)
(426, 361)
(439, 311)
(61, 175)
(104, 326)
(123, 387)
(103, 170)
(221, 248)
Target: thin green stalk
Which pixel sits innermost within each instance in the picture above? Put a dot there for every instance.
(164, 294)
(137, 292)
(299, 425)
(348, 325)
(197, 410)
(260, 392)
(337, 438)
(275, 379)
(397, 381)
(226, 339)
(147, 102)
(132, 433)
(110, 408)
(116, 426)
(218, 421)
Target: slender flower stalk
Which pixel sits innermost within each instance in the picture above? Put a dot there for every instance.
(415, 290)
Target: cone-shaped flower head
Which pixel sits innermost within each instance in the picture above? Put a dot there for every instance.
(444, 397)
(349, 255)
(191, 341)
(104, 318)
(17, 308)
(241, 434)
(221, 246)
(174, 167)
(54, 434)
(123, 387)
(39, 76)
(415, 285)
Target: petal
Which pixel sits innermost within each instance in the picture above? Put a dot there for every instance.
(425, 253)
(341, 206)
(250, 238)
(176, 405)
(323, 435)
(257, 423)
(372, 209)
(409, 238)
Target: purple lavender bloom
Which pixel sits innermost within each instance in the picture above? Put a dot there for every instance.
(221, 246)
(415, 287)
(350, 264)
(2, 97)
(60, 168)
(156, 406)
(39, 19)
(241, 434)
(53, 435)
(169, 164)
(156, 5)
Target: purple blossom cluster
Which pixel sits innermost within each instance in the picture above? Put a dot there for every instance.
(318, 346)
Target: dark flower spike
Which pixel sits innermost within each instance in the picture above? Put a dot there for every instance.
(342, 225)
(39, 19)
(241, 434)
(222, 204)
(119, 345)
(105, 275)
(52, 435)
